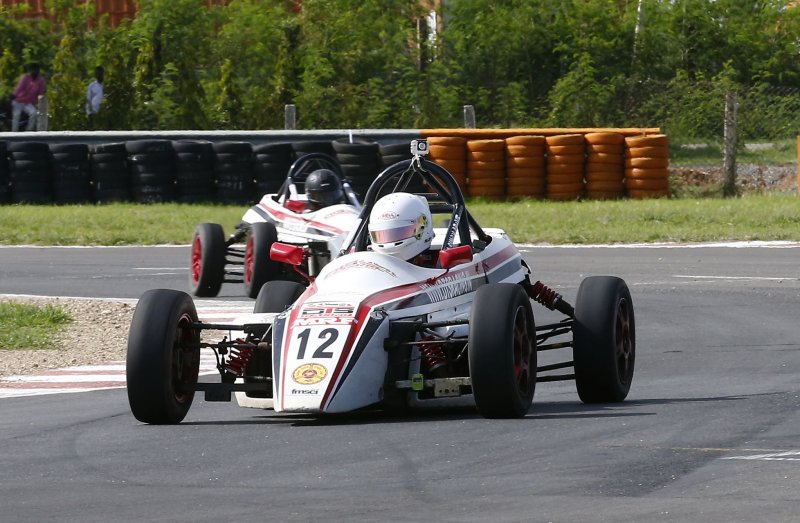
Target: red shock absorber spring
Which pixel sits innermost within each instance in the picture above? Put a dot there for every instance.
(237, 361)
(544, 295)
(433, 356)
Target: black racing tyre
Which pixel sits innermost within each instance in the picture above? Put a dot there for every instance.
(259, 268)
(282, 150)
(207, 263)
(502, 351)
(117, 148)
(301, 148)
(396, 149)
(156, 148)
(35, 149)
(604, 340)
(163, 359)
(274, 296)
(277, 296)
(109, 158)
(358, 146)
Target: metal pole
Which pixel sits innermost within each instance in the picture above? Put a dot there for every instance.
(469, 117)
(289, 117)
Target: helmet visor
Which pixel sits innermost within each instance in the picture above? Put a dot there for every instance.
(396, 234)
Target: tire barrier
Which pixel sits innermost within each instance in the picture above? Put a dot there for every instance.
(451, 153)
(604, 166)
(486, 168)
(5, 179)
(525, 166)
(29, 172)
(109, 173)
(360, 161)
(233, 170)
(71, 172)
(647, 166)
(194, 171)
(558, 164)
(152, 170)
(565, 165)
(271, 163)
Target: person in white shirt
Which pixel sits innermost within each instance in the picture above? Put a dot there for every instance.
(94, 96)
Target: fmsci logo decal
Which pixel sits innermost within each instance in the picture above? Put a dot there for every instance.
(309, 373)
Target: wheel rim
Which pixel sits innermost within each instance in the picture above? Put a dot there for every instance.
(184, 360)
(248, 260)
(625, 344)
(522, 352)
(197, 259)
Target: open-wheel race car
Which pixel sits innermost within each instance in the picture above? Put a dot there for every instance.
(314, 208)
(448, 322)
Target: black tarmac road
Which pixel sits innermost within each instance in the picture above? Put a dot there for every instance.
(710, 430)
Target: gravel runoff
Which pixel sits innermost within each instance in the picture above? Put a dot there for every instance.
(97, 334)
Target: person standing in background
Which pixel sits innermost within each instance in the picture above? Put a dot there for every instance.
(26, 97)
(94, 96)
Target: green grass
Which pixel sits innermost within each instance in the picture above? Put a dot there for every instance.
(24, 326)
(776, 152)
(751, 217)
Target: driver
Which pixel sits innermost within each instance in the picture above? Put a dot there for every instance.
(400, 225)
(323, 189)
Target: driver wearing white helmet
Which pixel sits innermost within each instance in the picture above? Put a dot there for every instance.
(400, 225)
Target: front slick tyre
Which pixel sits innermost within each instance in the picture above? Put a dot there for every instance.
(163, 357)
(207, 264)
(502, 351)
(604, 340)
(259, 268)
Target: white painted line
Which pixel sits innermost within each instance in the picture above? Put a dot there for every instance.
(730, 245)
(791, 455)
(65, 378)
(753, 278)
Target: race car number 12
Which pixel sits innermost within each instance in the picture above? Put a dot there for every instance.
(327, 335)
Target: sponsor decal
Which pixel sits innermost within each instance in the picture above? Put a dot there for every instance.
(309, 373)
(448, 286)
(388, 215)
(293, 224)
(326, 313)
(337, 212)
(304, 392)
(363, 264)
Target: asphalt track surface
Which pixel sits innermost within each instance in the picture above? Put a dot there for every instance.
(710, 430)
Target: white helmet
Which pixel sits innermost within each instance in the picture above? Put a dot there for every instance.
(400, 224)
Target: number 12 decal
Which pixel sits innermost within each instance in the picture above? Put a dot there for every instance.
(327, 335)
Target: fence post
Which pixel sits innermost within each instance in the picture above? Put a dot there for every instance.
(729, 158)
(469, 116)
(289, 117)
(42, 113)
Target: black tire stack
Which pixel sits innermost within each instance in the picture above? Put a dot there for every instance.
(71, 173)
(360, 161)
(271, 165)
(233, 168)
(5, 180)
(29, 170)
(110, 177)
(152, 169)
(307, 147)
(194, 170)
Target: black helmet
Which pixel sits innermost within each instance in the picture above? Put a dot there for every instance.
(323, 188)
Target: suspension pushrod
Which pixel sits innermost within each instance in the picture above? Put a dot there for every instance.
(553, 346)
(559, 377)
(554, 366)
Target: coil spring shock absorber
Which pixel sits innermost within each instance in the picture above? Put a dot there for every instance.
(238, 359)
(433, 356)
(544, 295)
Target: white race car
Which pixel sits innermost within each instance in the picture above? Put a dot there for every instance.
(288, 216)
(453, 328)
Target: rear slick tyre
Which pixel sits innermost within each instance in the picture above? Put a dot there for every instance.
(259, 268)
(502, 351)
(163, 358)
(604, 340)
(207, 263)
